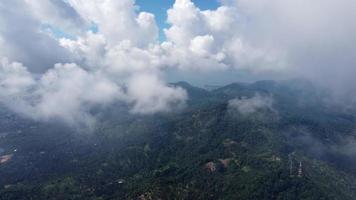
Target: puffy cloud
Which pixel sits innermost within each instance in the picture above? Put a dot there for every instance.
(121, 60)
(126, 40)
(23, 41)
(202, 45)
(89, 49)
(187, 21)
(311, 39)
(57, 13)
(68, 92)
(247, 106)
(213, 39)
(124, 49)
(118, 21)
(150, 95)
(307, 38)
(315, 36)
(14, 78)
(65, 92)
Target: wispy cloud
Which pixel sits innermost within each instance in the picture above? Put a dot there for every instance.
(247, 106)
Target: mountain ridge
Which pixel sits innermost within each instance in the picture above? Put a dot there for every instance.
(212, 149)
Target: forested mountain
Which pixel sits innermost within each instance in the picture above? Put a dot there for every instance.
(265, 140)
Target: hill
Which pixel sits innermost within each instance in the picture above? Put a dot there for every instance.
(265, 140)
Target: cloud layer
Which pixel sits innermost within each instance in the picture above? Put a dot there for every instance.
(60, 58)
(116, 63)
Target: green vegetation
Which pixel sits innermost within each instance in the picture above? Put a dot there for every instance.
(297, 150)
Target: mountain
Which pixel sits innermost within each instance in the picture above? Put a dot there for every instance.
(193, 92)
(264, 140)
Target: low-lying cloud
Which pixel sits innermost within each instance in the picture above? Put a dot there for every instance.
(150, 95)
(68, 92)
(116, 63)
(247, 106)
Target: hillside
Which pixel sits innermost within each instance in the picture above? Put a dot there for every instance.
(265, 140)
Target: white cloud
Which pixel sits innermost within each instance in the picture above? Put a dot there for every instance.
(125, 49)
(68, 92)
(202, 45)
(23, 41)
(247, 106)
(303, 38)
(126, 41)
(89, 49)
(150, 95)
(65, 92)
(14, 78)
(308, 38)
(57, 13)
(215, 37)
(118, 21)
(315, 36)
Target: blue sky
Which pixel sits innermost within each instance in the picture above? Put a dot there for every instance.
(159, 9)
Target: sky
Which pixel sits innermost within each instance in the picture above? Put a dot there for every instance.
(159, 9)
(60, 58)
